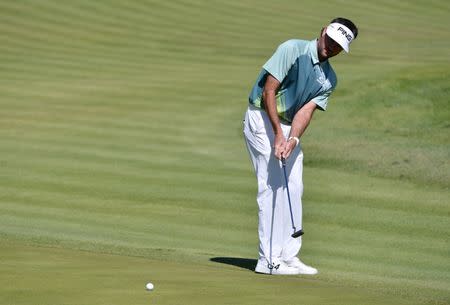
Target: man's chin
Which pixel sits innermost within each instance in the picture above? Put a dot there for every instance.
(323, 56)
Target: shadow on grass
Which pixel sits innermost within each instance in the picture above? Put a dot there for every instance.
(245, 263)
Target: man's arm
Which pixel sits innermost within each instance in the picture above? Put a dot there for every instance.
(270, 90)
(299, 124)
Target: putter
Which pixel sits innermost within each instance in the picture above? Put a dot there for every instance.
(299, 232)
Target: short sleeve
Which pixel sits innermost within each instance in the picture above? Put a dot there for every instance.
(322, 100)
(282, 60)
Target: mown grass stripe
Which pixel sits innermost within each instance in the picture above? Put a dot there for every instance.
(120, 132)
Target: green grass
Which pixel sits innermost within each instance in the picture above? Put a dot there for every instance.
(122, 159)
(177, 283)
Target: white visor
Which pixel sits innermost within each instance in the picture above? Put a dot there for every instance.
(341, 34)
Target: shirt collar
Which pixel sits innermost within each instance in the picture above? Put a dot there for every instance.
(312, 49)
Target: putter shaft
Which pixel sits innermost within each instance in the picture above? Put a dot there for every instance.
(299, 232)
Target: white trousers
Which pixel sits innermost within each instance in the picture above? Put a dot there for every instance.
(275, 226)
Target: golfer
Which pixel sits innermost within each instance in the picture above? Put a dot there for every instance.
(293, 83)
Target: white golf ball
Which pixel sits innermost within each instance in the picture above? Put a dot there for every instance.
(149, 286)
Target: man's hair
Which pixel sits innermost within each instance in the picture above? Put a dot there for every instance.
(347, 23)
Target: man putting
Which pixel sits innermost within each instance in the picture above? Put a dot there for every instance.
(293, 83)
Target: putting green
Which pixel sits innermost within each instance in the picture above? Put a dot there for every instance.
(60, 276)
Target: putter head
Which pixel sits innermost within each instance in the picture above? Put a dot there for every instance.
(297, 233)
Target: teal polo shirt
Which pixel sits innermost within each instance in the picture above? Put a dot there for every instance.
(295, 64)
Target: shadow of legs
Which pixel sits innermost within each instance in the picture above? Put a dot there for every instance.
(244, 263)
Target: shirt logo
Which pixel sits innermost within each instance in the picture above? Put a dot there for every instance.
(322, 79)
(324, 82)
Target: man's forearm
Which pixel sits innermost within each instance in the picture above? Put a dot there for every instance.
(302, 119)
(271, 87)
(270, 106)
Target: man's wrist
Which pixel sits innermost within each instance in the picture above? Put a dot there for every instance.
(295, 139)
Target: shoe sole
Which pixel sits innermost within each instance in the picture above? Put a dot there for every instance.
(275, 273)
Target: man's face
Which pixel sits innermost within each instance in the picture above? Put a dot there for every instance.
(327, 47)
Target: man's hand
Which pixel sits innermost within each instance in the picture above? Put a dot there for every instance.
(288, 148)
(279, 145)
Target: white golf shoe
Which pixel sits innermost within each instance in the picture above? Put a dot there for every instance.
(277, 268)
(300, 266)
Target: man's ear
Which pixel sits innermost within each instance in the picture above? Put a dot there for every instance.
(323, 32)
